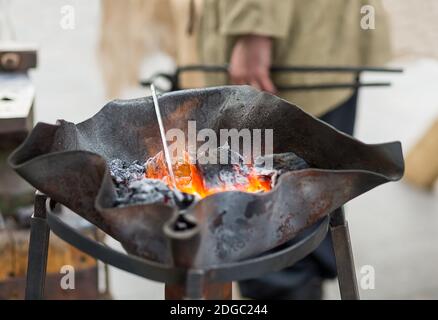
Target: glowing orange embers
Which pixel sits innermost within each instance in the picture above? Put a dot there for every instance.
(204, 180)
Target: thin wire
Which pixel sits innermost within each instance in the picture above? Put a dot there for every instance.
(163, 137)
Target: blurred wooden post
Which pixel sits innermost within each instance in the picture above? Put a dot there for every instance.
(212, 291)
(186, 15)
(422, 160)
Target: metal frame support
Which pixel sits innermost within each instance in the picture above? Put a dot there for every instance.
(344, 255)
(38, 250)
(194, 285)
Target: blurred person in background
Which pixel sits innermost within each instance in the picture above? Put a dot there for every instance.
(252, 36)
(132, 31)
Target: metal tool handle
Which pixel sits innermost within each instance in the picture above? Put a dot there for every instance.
(174, 78)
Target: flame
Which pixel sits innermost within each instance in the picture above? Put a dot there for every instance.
(190, 180)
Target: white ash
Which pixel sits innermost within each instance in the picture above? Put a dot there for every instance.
(133, 187)
(123, 172)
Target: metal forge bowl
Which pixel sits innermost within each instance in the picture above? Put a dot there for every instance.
(68, 163)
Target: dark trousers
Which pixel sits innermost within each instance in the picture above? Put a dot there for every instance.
(303, 279)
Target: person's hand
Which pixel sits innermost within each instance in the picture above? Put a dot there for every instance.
(251, 61)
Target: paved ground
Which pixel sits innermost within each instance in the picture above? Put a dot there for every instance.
(394, 227)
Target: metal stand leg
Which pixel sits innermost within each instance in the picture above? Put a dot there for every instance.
(344, 256)
(38, 248)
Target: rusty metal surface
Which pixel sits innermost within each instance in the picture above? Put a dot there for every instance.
(344, 256)
(210, 291)
(68, 162)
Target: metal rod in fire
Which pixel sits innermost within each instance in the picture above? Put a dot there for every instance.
(163, 138)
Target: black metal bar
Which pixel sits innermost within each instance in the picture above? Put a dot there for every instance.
(174, 85)
(38, 249)
(344, 256)
(129, 263)
(174, 78)
(329, 86)
(317, 69)
(274, 261)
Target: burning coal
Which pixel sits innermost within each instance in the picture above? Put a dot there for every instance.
(150, 183)
(133, 187)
